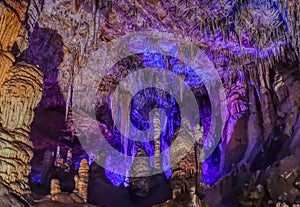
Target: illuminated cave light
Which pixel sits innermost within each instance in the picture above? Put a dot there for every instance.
(140, 119)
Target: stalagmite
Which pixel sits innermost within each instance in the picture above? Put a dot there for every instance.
(69, 156)
(199, 134)
(59, 161)
(47, 164)
(157, 132)
(82, 179)
(260, 27)
(139, 172)
(55, 187)
(187, 173)
(20, 92)
(76, 184)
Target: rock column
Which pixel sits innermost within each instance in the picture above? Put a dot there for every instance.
(20, 92)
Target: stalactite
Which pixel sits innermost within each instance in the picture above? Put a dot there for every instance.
(96, 13)
(125, 100)
(181, 87)
(68, 102)
(77, 5)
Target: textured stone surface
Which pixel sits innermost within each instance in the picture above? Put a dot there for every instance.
(20, 93)
(186, 175)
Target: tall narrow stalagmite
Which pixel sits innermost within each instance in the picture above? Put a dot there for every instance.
(83, 179)
(187, 172)
(157, 131)
(139, 173)
(199, 134)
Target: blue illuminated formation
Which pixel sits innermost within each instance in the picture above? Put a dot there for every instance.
(147, 100)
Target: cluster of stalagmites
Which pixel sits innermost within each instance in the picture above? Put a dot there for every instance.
(186, 158)
(79, 194)
(186, 174)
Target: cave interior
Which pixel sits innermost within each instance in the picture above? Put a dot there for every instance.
(149, 103)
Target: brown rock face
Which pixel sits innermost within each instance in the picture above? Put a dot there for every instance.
(20, 92)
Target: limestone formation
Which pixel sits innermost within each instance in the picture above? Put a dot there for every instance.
(254, 47)
(60, 162)
(20, 93)
(9, 28)
(139, 173)
(55, 187)
(186, 174)
(83, 178)
(79, 194)
(199, 152)
(69, 156)
(157, 132)
(7, 198)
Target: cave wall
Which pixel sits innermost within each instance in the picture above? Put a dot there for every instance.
(21, 90)
(262, 117)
